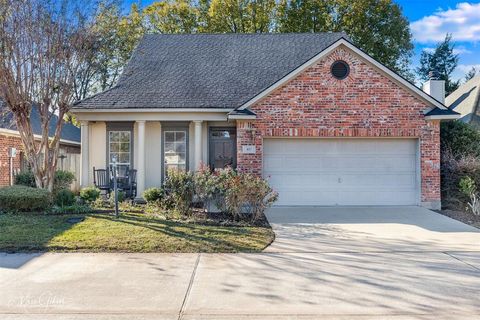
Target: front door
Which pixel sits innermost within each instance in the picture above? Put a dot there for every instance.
(223, 150)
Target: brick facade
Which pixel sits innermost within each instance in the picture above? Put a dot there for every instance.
(365, 104)
(7, 142)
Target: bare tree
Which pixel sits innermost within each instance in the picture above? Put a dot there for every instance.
(42, 47)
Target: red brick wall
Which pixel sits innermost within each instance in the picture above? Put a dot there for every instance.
(7, 142)
(365, 104)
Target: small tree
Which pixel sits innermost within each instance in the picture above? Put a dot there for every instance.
(42, 46)
(443, 60)
(471, 74)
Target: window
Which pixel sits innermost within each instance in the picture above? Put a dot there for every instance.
(119, 148)
(175, 150)
(340, 69)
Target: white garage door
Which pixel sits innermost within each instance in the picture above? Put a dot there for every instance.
(341, 171)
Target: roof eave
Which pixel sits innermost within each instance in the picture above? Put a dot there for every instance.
(443, 117)
(149, 110)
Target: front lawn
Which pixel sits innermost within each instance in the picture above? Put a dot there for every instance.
(132, 232)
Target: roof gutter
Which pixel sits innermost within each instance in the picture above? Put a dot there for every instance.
(150, 110)
(37, 136)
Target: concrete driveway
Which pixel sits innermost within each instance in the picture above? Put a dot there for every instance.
(355, 263)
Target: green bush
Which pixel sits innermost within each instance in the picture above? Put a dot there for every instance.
(64, 197)
(23, 198)
(25, 178)
(460, 139)
(120, 196)
(72, 209)
(63, 180)
(90, 194)
(180, 188)
(153, 195)
(467, 186)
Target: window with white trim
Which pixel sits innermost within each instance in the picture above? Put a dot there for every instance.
(175, 150)
(119, 147)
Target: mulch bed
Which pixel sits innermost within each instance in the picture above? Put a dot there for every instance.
(465, 217)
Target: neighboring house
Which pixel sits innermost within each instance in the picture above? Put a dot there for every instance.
(466, 101)
(10, 138)
(318, 117)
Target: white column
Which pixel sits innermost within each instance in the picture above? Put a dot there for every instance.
(85, 163)
(198, 144)
(141, 158)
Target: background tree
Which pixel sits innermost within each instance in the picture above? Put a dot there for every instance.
(171, 16)
(43, 45)
(376, 26)
(442, 60)
(240, 16)
(470, 74)
(303, 16)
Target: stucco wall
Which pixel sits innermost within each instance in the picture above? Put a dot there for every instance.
(97, 153)
(365, 104)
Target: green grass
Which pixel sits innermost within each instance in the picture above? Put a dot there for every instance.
(129, 233)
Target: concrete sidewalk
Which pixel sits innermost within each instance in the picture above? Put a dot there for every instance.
(357, 279)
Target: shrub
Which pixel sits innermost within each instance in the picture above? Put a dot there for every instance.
(120, 196)
(180, 188)
(453, 170)
(243, 196)
(23, 198)
(153, 195)
(468, 187)
(25, 178)
(460, 139)
(204, 185)
(64, 197)
(63, 180)
(90, 194)
(72, 209)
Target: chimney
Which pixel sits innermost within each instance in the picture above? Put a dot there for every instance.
(435, 87)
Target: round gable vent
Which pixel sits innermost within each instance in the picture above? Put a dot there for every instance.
(340, 69)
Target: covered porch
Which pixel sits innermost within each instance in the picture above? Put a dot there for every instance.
(153, 142)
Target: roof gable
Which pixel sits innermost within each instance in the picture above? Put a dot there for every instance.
(207, 70)
(430, 101)
(466, 100)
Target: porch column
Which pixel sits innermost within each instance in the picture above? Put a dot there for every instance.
(85, 164)
(141, 158)
(198, 144)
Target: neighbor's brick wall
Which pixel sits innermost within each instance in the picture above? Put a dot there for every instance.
(366, 104)
(7, 142)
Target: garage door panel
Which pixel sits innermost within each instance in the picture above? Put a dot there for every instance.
(301, 181)
(307, 198)
(397, 163)
(342, 171)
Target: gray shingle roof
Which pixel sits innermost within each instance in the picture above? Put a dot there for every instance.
(207, 70)
(69, 131)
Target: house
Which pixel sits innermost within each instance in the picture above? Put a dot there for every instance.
(466, 101)
(10, 138)
(320, 119)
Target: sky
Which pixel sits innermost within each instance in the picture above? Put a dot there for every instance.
(430, 20)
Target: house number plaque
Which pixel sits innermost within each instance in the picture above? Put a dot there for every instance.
(248, 149)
